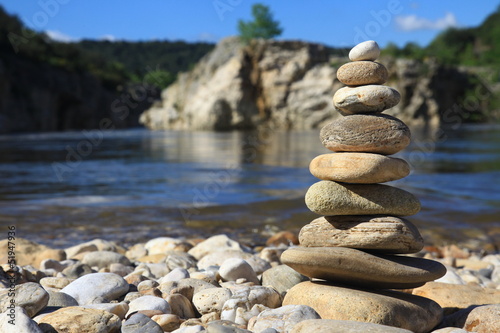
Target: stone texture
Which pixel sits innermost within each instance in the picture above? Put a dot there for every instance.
(30, 253)
(244, 299)
(359, 168)
(60, 299)
(453, 296)
(186, 287)
(96, 287)
(119, 309)
(30, 296)
(181, 306)
(77, 270)
(214, 244)
(282, 319)
(482, 319)
(102, 259)
(233, 269)
(217, 259)
(361, 73)
(211, 300)
(224, 327)
(332, 198)
(139, 323)
(383, 234)
(162, 245)
(282, 278)
(386, 307)
(368, 50)
(55, 282)
(75, 319)
(149, 302)
(168, 322)
(90, 246)
(365, 99)
(17, 322)
(358, 268)
(342, 326)
(381, 134)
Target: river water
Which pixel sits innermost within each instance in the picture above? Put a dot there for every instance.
(131, 185)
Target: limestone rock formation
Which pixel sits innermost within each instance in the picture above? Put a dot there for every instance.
(288, 85)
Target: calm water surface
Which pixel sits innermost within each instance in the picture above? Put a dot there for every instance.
(65, 188)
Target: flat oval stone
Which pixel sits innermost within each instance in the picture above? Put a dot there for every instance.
(387, 307)
(359, 168)
(362, 72)
(358, 268)
(365, 99)
(381, 134)
(368, 50)
(332, 198)
(383, 234)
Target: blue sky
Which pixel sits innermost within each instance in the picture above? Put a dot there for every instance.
(334, 23)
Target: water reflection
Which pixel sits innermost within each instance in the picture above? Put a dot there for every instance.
(133, 183)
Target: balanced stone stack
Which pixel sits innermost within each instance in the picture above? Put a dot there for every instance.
(352, 253)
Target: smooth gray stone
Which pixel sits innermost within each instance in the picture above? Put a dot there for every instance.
(139, 323)
(359, 268)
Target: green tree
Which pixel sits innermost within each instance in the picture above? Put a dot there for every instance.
(262, 26)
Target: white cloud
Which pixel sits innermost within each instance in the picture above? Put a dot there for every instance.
(109, 38)
(413, 22)
(207, 37)
(58, 36)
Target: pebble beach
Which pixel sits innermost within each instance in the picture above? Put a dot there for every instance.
(215, 284)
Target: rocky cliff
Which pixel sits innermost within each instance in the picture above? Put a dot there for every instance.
(289, 85)
(40, 97)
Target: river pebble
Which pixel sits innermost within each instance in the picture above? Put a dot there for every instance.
(201, 300)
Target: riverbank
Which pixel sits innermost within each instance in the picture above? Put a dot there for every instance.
(200, 284)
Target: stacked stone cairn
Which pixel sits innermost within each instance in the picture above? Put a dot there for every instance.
(353, 252)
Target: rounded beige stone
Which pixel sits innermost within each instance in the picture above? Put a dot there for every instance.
(368, 50)
(76, 319)
(387, 307)
(332, 198)
(453, 297)
(382, 234)
(358, 268)
(359, 168)
(362, 72)
(381, 134)
(365, 99)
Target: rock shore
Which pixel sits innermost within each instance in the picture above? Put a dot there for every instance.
(161, 288)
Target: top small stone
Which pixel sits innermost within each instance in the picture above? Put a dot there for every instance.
(368, 50)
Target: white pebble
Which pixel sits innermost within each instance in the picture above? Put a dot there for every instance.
(368, 50)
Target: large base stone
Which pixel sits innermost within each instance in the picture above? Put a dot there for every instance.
(386, 307)
(358, 268)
